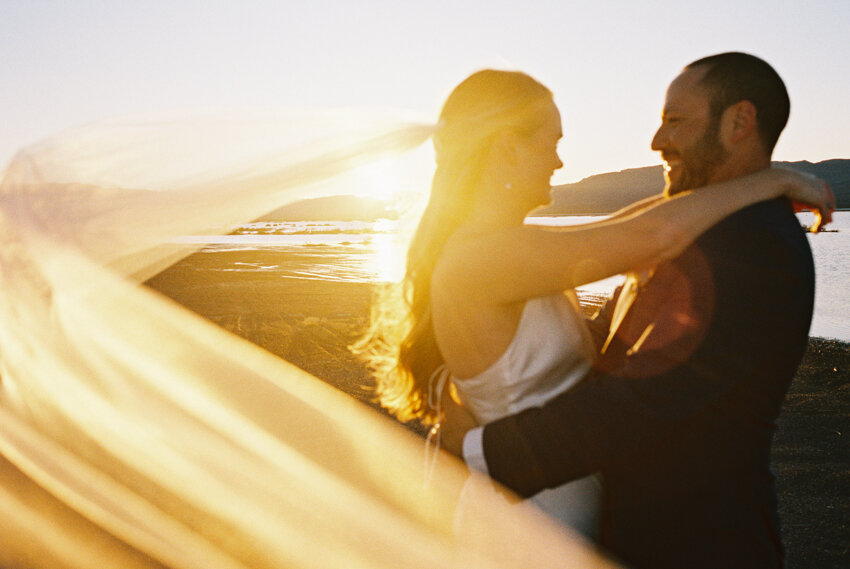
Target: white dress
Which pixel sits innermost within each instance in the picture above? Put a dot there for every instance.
(550, 352)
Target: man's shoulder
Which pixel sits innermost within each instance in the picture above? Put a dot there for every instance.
(765, 237)
(777, 207)
(766, 223)
(765, 214)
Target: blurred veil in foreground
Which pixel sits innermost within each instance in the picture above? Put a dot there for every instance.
(134, 433)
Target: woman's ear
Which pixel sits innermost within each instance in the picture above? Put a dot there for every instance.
(504, 147)
(739, 121)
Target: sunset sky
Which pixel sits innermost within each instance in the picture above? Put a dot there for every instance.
(66, 63)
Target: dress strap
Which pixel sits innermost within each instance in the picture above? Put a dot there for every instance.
(436, 385)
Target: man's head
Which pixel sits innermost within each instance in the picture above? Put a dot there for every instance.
(722, 117)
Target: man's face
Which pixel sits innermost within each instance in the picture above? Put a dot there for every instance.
(688, 136)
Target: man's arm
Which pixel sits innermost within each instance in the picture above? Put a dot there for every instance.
(458, 422)
(755, 312)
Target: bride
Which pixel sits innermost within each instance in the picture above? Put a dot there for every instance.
(488, 300)
(135, 433)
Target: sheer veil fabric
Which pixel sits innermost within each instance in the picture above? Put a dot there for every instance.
(134, 433)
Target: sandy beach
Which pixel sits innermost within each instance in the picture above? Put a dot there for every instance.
(311, 323)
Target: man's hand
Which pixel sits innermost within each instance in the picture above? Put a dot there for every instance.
(457, 421)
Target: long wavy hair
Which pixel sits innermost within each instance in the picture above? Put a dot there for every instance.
(400, 348)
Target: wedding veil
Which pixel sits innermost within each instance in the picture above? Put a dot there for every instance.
(134, 433)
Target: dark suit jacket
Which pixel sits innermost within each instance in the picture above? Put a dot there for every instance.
(680, 414)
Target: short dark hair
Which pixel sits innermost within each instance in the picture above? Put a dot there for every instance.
(733, 77)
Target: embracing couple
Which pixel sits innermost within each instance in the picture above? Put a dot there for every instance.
(649, 427)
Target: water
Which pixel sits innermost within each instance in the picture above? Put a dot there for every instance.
(831, 250)
(347, 251)
(370, 252)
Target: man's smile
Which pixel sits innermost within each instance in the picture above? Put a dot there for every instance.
(671, 162)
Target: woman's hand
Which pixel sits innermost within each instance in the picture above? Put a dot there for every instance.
(810, 192)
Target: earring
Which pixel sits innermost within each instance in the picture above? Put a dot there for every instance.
(508, 186)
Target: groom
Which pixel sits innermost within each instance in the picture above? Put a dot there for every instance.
(679, 414)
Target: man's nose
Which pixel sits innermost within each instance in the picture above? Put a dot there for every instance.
(659, 140)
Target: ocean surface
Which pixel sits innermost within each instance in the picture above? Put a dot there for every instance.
(370, 252)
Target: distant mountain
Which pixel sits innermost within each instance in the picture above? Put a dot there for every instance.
(599, 194)
(333, 208)
(836, 172)
(606, 193)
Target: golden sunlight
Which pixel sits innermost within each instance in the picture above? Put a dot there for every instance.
(387, 263)
(393, 177)
(380, 180)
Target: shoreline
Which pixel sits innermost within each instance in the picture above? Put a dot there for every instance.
(310, 323)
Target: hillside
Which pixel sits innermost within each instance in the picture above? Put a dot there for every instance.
(333, 208)
(605, 193)
(599, 194)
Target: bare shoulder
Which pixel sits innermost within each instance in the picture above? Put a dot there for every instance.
(471, 254)
(505, 266)
(453, 264)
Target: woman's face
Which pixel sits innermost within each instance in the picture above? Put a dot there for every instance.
(537, 159)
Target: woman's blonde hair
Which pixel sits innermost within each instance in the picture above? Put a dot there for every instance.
(400, 348)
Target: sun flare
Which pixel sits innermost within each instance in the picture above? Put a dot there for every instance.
(391, 178)
(388, 262)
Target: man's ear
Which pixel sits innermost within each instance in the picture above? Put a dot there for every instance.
(739, 121)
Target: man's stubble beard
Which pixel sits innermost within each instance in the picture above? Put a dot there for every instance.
(699, 162)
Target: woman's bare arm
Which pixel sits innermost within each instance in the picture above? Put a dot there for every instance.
(526, 262)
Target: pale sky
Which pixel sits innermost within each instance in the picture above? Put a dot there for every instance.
(70, 62)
